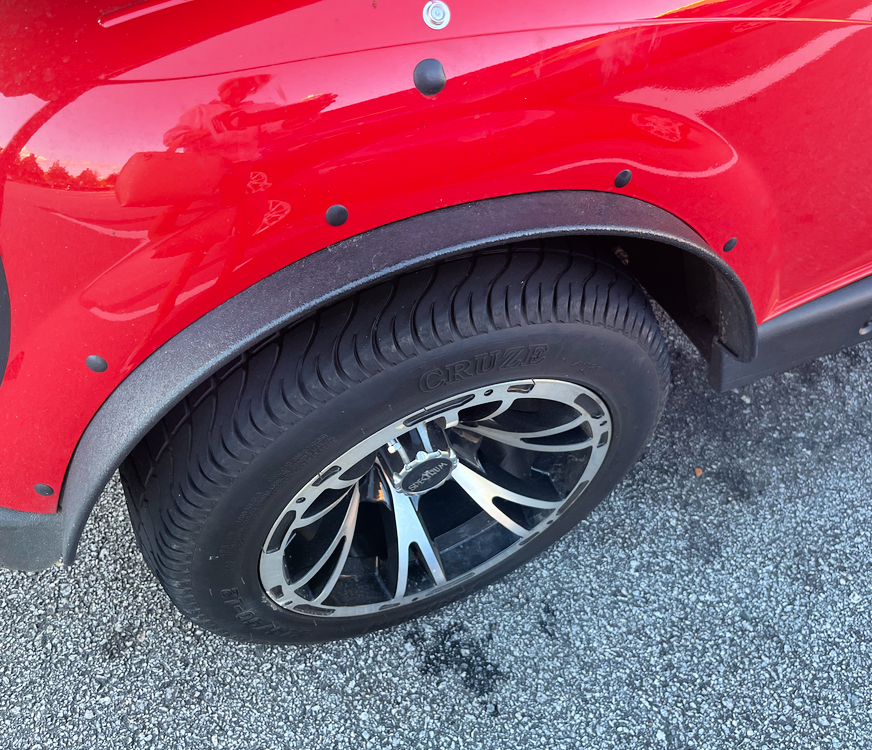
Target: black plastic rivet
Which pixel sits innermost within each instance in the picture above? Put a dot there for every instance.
(731, 243)
(623, 178)
(429, 77)
(95, 363)
(43, 489)
(337, 215)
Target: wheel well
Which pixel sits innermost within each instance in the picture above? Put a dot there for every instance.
(696, 294)
(671, 261)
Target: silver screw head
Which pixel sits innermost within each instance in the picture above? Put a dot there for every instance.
(436, 14)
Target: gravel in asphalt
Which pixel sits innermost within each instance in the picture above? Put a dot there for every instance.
(719, 599)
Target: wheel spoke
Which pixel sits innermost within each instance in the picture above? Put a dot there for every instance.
(272, 567)
(467, 478)
(484, 492)
(501, 405)
(343, 536)
(308, 520)
(348, 530)
(501, 399)
(410, 531)
(523, 439)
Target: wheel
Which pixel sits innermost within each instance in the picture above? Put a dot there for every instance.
(402, 448)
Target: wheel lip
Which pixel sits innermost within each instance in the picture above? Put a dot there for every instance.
(598, 458)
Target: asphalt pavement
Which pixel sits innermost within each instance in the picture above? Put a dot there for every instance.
(719, 599)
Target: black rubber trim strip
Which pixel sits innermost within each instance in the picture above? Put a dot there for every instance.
(822, 326)
(293, 292)
(29, 541)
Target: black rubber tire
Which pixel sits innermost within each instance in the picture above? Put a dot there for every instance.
(207, 483)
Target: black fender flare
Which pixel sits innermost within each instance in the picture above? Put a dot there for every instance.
(293, 292)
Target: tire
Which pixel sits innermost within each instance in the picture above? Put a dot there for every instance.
(331, 416)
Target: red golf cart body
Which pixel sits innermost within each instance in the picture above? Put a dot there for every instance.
(181, 178)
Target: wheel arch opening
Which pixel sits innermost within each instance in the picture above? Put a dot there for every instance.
(672, 263)
(702, 296)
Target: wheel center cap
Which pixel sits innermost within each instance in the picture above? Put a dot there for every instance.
(420, 460)
(426, 475)
(425, 472)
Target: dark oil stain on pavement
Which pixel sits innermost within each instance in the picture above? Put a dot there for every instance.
(451, 648)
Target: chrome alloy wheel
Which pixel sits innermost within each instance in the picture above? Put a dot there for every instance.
(435, 498)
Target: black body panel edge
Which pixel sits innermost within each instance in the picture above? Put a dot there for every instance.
(291, 293)
(823, 326)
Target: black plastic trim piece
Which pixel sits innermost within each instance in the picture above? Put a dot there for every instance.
(96, 363)
(336, 215)
(623, 178)
(822, 326)
(293, 292)
(429, 77)
(30, 541)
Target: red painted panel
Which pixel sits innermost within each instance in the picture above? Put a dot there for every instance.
(741, 127)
